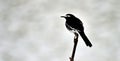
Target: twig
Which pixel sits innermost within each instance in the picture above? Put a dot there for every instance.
(74, 48)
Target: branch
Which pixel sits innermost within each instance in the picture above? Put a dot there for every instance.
(74, 48)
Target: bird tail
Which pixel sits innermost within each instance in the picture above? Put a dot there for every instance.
(84, 37)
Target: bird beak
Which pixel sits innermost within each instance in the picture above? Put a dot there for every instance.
(63, 16)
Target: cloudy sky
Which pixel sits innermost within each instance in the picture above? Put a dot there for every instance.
(32, 30)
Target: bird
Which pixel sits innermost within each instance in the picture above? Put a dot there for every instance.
(75, 25)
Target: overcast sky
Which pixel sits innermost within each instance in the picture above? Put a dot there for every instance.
(32, 30)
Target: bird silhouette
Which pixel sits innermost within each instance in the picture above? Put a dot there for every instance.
(75, 25)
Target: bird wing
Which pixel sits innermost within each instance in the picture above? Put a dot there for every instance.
(76, 23)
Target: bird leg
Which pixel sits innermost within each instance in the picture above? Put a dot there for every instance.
(75, 45)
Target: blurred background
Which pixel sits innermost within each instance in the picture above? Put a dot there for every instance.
(32, 30)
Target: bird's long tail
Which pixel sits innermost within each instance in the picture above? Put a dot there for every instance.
(86, 40)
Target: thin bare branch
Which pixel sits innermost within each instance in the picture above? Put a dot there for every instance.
(74, 48)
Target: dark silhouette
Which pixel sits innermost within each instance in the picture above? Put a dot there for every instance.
(75, 25)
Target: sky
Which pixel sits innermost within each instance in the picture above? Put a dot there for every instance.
(32, 30)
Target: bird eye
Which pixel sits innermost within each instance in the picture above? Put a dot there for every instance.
(68, 15)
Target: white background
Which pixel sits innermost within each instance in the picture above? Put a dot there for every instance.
(32, 30)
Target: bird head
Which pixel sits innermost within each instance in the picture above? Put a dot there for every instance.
(68, 16)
